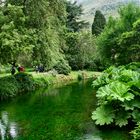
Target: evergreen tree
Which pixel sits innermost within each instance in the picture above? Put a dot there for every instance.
(98, 23)
(74, 12)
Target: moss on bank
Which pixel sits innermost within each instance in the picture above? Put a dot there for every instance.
(12, 85)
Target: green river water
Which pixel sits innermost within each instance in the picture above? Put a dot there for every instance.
(55, 114)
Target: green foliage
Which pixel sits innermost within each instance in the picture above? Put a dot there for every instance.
(80, 77)
(136, 132)
(32, 32)
(14, 37)
(8, 87)
(81, 44)
(130, 43)
(81, 50)
(121, 117)
(62, 67)
(41, 82)
(134, 66)
(21, 82)
(101, 81)
(4, 69)
(122, 74)
(115, 91)
(103, 115)
(48, 20)
(74, 11)
(119, 42)
(98, 23)
(120, 89)
(25, 81)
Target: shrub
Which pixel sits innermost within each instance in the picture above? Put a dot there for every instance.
(62, 67)
(8, 87)
(5, 69)
(134, 66)
(40, 82)
(80, 76)
(136, 132)
(25, 81)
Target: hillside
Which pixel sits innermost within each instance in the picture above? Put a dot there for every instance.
(108, 7)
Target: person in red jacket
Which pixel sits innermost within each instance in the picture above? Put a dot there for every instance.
(21, 69)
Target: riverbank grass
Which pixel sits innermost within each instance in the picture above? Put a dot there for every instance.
(12, 85)
(60, 79)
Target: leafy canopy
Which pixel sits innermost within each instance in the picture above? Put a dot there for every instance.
(119, 42)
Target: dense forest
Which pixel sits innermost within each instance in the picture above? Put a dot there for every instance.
(50, 33)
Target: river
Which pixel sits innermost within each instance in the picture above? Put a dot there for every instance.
(55, 114)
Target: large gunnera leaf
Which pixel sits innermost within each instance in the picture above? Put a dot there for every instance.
(136, 132)
(115, 91)
(103, 115)
(122, 117)
(129, 75)
(101, 81)
(131, 105)
(136, 115)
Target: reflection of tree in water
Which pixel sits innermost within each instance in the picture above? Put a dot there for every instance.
(8, 130)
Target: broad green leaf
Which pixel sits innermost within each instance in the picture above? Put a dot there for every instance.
(101, 81)
(133, 66)
(130, 105)
(115, 91)
(136, 132)
(129, 75)
(136, 115)
(122, 93)
(121, 118)
(103, 115)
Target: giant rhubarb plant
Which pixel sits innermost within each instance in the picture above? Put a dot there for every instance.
(118, 94)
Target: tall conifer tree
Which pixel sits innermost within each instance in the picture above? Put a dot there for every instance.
(98, 23)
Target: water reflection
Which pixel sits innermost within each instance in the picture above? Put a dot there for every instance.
(55, 114)
(8, 130)
(91, 137)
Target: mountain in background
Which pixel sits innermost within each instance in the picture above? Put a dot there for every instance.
(107, 7)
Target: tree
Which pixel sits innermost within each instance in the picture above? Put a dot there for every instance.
(46, 22)
(81, 51)
(74, 12)
(130, 44)
(14, 37)
(109, 46)
(98, 23)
